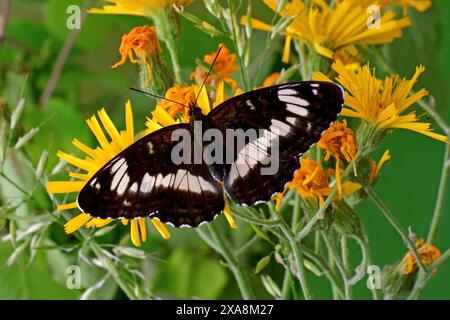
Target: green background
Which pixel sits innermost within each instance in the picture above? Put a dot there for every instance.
(184, 267)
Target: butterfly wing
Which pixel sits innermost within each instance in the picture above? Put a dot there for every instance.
(143, 181)
(289, 117)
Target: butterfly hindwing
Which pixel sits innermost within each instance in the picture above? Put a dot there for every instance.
(143, 181)
(291, 117)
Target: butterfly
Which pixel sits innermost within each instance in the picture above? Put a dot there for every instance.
(143, 180)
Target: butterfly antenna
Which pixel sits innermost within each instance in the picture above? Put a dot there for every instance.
(209, 72)
(158, 97)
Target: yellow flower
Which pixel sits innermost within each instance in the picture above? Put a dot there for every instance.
(339, 142)
(93, 161)
(381, 102)
(350, 57)
(329, 29)
(419, 5)
(141, 42)
(376, 167)
(183, 95)
(162, 115)
(224, 67)
(427, 253)
(137, 7)
(311, 181)
(271, 79)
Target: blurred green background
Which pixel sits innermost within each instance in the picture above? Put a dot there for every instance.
(184, 267)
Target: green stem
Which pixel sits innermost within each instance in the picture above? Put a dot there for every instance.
(251, 219)
(440, 200)
(432, 112)
(423, 278)
(330, 274)
(319, 214)
(296, 222)
(345, 254)
(83, 236)
(222, 247)
(112, 269)
(393, 221)
(287, 279)
(236, 46)
(297, 253)
(168, 30)
(15, 185)
(340, 265)
(174, 58)
(247, 244)
(366, 251)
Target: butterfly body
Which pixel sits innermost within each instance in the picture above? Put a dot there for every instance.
(145, 181)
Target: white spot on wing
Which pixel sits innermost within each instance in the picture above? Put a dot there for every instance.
(297, 110)
(206, 185)
(291, 120)
(134, 187)
(294, 100)
(194, 185)
(280, 126)
(287, 92)
(250, 104)
(119, 174)
(117, 165)
(123, 184)
(147, 182)
(150, 147)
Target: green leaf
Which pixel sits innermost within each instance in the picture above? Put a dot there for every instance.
(29, 282)
(262, 264)
(62, 122)
(187, 275)
(94, 31)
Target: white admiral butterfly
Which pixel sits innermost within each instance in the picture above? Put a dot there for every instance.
(142, 181)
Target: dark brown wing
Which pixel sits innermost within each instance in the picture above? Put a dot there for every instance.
(290, 118)
(143, 181)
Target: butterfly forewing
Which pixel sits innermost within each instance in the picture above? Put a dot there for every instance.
(291, 117)
(143, 181)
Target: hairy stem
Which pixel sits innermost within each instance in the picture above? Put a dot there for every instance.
(441, 196)
(222, 248)
(319, 214)
(393, 221)
(297, 253)
(340, 265)
(423, 278)
(4, 19)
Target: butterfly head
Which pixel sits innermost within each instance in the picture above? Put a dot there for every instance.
(195, 112)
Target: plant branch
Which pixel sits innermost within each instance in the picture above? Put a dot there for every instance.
(423, 278)
(297, 253)
(233, 263)
(59, 64)
(340, 265)
(393, 221)
(441, 196)
(320, 213)
(4, 19)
